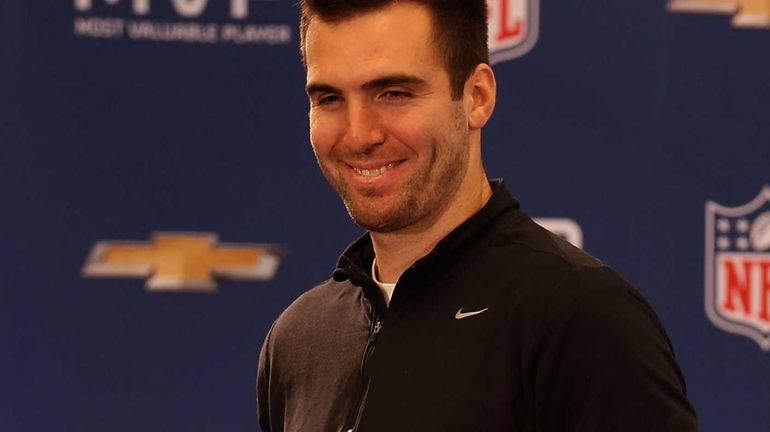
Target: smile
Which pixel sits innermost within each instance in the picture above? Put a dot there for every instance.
(374, 172)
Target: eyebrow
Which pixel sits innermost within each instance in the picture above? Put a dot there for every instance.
(377, 83)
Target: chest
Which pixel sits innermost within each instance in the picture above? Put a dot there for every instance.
(453, 366)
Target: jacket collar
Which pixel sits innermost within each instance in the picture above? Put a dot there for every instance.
(355, 262)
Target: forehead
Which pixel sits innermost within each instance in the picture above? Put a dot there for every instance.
(395, 39)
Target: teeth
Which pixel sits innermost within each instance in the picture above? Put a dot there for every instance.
(373, 172)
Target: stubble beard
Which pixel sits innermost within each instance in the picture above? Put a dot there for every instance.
(428, 192)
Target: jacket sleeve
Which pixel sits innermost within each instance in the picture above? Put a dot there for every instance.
(606, 364)
(263, 385)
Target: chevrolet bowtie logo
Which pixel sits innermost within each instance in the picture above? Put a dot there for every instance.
(746, 13)
(182, 261)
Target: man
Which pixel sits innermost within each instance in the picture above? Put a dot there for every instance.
(455, 312)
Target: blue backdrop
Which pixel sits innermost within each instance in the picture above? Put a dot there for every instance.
(118, 121)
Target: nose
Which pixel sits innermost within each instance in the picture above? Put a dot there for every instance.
(364, 129)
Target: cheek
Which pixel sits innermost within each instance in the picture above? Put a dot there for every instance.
(417, 131)
(323, 134)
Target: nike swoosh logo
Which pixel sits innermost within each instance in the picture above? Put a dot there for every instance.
(460, 314)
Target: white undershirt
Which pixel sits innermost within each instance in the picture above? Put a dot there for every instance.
(386, 288)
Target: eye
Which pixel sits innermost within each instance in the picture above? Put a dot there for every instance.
(328, 100)
(396, 95)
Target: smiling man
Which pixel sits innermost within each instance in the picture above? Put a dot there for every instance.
(455, 312)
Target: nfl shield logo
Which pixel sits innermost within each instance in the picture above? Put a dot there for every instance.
(738, 267)
(513, 27)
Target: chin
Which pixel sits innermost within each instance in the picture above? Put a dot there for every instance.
(374, 221)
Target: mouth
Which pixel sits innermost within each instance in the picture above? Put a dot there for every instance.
(374, 171)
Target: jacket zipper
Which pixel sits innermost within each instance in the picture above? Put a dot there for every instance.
(363, 392)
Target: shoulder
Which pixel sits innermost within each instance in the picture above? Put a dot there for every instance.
(320, 324)
(321, 306)
(537, 260)
(555, 285)
(517, 234)
(589, 339)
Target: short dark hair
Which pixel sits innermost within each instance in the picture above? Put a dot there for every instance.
(460, 29)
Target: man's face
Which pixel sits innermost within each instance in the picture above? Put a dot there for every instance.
(383, 125)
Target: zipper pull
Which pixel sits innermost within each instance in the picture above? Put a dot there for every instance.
(376, 330)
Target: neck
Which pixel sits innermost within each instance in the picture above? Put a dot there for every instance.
(396, 251)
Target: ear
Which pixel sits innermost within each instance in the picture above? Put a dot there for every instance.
(481, 93)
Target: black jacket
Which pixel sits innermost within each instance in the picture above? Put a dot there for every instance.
(502, 327)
